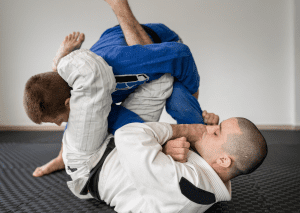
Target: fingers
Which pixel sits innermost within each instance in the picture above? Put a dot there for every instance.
(177, 149)
(210, 118)
(180, 158)
(215, 120)
(180, 143)
(204, 113)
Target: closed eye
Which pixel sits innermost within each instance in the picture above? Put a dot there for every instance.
(216, 132)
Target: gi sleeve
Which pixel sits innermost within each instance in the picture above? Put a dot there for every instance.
(155, 175)
(93, 82)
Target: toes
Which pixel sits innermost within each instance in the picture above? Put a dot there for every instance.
(81, 37)
(76, 36)
(80, 40)
(38, 172)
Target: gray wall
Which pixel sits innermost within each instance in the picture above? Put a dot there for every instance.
(244, 50)
(297, 61)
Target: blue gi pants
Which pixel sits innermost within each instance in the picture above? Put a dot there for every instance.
(153, 61)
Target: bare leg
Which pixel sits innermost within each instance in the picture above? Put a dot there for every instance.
(52, 166)
(132, 30)
(71, 43)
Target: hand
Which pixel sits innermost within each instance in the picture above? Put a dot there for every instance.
(177, 149)
(210, 118)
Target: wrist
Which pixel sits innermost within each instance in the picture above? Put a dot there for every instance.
(180, 130)
(191, 132)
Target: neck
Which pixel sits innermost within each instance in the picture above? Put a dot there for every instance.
(223, 173)
(224, 178)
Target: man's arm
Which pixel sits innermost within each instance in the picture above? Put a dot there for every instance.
(177, 147)
(193, 132)
(151, 171)
(92, 81)
(155, 175)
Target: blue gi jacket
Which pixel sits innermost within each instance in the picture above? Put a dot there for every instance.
(150, 62)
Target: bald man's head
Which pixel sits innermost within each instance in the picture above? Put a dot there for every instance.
(249, 148)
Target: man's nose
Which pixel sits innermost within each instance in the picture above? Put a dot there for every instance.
(212, 129)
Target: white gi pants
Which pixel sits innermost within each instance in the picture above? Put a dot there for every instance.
(149, 99)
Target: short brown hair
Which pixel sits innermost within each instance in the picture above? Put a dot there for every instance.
(45, 95)
(249, 148)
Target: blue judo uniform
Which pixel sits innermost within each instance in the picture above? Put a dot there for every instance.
(137, 64)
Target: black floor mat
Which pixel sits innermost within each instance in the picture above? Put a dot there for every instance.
(274, 187)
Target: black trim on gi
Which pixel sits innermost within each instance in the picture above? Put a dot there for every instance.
(196, 194)
(126, 78)
(153, 34)
(92, 183)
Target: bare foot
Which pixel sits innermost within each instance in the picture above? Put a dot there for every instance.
(54, 165)
(71, 43)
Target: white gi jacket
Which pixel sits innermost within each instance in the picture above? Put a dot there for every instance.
(138, 177)
(85, 139)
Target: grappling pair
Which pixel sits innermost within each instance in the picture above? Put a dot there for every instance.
(137, 176)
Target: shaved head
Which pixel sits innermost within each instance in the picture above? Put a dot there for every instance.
(249, 148)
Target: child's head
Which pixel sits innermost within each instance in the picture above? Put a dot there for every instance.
(45, 96)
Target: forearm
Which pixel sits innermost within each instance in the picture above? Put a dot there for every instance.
(179, 130)
(192, 132)
(133, 31)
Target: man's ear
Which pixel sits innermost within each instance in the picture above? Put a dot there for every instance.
(224, 161)
(67, 103)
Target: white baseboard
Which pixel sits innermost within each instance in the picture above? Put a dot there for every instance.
(61, 128)
(31, 128)
(278, 127)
